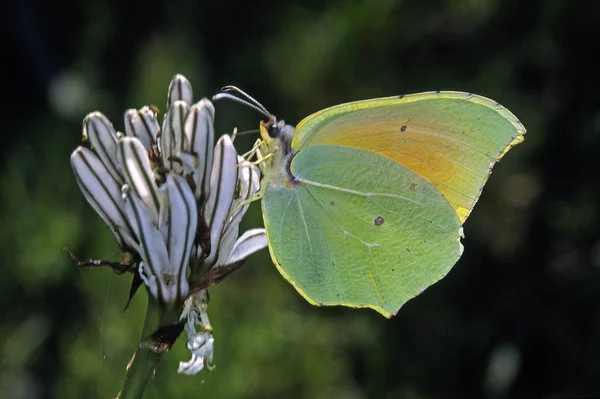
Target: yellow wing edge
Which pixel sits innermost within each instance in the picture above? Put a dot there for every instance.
(408, 98)
(464, 213)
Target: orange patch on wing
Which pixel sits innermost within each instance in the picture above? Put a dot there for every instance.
(431, 155)
(451, 139)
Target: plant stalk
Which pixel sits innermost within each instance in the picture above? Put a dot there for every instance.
(146, 359)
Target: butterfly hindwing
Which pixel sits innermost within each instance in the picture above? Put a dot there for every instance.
(359, 229)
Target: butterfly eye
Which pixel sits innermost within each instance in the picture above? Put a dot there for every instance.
(273, 131)
(277, 129)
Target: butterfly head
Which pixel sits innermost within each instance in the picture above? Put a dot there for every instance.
(278, 133)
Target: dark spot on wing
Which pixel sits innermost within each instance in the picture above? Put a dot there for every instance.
(437, 92)
(403, 128)
(401, 96)
(378, 221)
(331, 203)
(412, 186)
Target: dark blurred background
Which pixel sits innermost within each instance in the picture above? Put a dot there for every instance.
(519, 315)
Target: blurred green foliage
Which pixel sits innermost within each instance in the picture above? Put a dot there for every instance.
(519, 316)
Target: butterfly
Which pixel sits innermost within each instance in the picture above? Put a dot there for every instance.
(364, 202)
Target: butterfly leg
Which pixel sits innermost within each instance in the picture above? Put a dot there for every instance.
(260, 159)
(254, 150)
(255, 197)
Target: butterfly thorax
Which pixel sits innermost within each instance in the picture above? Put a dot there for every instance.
(276, 153)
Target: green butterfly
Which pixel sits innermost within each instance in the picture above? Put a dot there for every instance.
(364, 202)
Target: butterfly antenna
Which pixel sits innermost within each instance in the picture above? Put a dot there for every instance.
(248, 96)
(228, 96)
(250, 102)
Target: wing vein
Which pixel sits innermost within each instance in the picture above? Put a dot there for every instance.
(356, 192)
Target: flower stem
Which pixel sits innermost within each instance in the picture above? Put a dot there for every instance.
(145, 359)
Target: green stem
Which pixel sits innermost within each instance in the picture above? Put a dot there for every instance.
(145, 360)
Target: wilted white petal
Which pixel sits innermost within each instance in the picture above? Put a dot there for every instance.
(182, 226)
(250, 242)
(172, 138)
(223, 181)
(142, 124)
(153, 251)
(192, 366)
(103, 138)
(180, 89)
(199, 129)
(135, 164)
(199, 343)
(103, 193)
